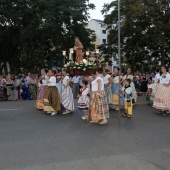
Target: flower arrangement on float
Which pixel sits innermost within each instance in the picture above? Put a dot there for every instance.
(82, 68)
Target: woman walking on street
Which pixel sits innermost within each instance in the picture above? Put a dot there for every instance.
(51, 98)
(67, 100)
(162, 97)
(98, 103)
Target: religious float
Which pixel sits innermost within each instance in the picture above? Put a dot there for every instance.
(83, 66)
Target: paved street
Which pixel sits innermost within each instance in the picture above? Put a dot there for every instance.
(32, 140)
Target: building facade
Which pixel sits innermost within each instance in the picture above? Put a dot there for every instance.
(100, 30)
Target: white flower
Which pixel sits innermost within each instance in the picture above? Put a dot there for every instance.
(84, 69)
(77, 64)
(78, 67)
(65, 65)
(74, 67)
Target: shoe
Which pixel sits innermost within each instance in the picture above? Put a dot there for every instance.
(49, 112)
(103, 122)
(84, 117)
(94, 121)
(165, 113)
(66, 112)
(53, 113)
(128, 117)
(124, 115)
(116, 108)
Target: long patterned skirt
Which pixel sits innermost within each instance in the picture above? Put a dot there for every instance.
(108, 93)
(40, 99)
(154, 89)
(115, 95)
(162, 98)
(99, 106)
(52, 100)
(67, 100)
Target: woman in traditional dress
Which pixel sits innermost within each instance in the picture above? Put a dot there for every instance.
(155, 85)
(107, 86)
(162, 97)
(67, 100)
(51, 98)
(98, 103)
(59, 83)
(115, 89)
(83, 101)
(43, 87)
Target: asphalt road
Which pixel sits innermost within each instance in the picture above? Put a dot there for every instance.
(32, 140)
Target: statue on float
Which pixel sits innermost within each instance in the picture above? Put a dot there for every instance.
(79, 50)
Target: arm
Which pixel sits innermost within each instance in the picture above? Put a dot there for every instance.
(110, 81)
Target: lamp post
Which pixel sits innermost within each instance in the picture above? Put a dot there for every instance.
(87, 54)
(64, 54)
(71, 54)
(119, 52)
(97, 52)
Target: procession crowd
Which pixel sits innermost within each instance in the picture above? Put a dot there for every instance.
(96, 93)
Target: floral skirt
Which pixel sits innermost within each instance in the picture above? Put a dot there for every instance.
(99, 106)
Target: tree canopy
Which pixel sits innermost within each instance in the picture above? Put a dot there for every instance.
(145, 35)
(33, 33)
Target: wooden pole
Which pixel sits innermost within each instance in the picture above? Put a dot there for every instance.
(119, 100)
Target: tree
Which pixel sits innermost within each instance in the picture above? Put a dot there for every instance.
(34, 33)
(144, 30)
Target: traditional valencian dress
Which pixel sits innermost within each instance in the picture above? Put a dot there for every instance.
(83, 102)
(43, 87)
(67, 100)
(51, 97)
(98, 102)
(115, 92)
(59, 84)
(162, 97)
(107, 89)
(155, 86)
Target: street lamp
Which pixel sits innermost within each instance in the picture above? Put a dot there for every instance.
(64, 54)
(71, 54)
(119, 52)
(87, 54)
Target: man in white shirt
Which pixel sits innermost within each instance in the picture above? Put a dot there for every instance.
(76, 80)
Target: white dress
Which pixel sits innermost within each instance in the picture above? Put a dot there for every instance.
(67, 95)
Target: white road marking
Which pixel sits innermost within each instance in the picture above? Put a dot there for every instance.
(10, 109)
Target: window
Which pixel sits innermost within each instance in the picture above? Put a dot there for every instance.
(104, 31)
(104, 41)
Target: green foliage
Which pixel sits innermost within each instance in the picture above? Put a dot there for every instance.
(145, 35)
(33, 33)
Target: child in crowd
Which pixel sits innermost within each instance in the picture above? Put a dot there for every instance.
(127, 91)
(83, 101)
(149, 91)
(25, 91)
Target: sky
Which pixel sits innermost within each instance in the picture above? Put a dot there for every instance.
(96, 14)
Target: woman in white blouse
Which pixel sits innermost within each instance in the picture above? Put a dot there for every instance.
(98, 103)
(162, 97)
(67, 100)
(51, 98)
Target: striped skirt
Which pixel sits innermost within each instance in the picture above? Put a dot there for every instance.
(40, 99)
(99, 106)
(162, 98)
(67, 100)
(82, 107)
